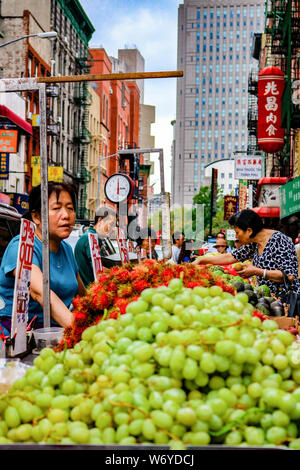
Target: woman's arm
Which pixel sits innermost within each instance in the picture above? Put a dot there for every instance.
(272, 275)
(81, 288)
(59, 312)
(226, 258)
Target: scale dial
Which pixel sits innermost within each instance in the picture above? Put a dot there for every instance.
(118, 188)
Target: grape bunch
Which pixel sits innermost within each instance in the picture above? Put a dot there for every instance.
(182, 367)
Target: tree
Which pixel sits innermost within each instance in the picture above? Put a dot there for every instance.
(204, 197)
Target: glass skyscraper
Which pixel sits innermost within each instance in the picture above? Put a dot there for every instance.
(214, 51)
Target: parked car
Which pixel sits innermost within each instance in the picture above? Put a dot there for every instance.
(10, 221)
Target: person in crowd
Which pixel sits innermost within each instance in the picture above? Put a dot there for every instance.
(271, 252)
(178, 239)
(65, 281)
(219, 237)
(146, 242)
(221, 246)
(105, 222)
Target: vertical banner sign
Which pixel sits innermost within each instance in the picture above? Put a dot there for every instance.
(270, 134)
(4, 166)
(22, 286)
(122, 244)
(95, 255)
(230, 206)
(243, 194)
(213, 196)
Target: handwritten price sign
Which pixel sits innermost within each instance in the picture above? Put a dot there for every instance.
(95, 255)
(122, 244)
(22, 286)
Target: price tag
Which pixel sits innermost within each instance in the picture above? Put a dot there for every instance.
(95, 255)
(123, 249)
(22, 286)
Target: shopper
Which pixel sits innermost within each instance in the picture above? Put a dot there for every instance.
(185, 255)
(105, 222)
(65, 282)
(178, 239)
(221, 246)
(220, 237)
(271, 252)
(146, 242)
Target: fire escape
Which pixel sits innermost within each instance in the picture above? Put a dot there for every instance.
(282, 50)
(82, 136)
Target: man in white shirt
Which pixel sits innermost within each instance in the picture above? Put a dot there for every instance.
(178, 239)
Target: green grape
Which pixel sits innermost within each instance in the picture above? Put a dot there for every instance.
(148, 429)
(56, 374)
(186, 416)
(276, 435)
(139, 306)
(190, 369)
(233, 438)
(12, 417)
(254, 390)
(43, 400)
(254, 436)
(161, 419)
(61, 401)
(79, 435)
(207, 363)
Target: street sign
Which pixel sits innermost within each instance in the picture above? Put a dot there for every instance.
(248, 167)
(8, 140)
(22, 287)
(290, 198)
(4, 166)
(243, 194)
(95, 255)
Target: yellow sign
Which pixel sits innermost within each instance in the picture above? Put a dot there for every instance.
(55, 173)
(35, 120)
(35, 160)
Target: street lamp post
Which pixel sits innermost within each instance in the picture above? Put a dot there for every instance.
(47, 34)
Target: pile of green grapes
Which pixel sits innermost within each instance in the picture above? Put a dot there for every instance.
(183, 367)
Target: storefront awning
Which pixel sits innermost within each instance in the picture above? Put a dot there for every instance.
(7, 113)
(267, 211)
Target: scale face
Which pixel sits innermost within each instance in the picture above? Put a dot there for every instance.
(118, 188)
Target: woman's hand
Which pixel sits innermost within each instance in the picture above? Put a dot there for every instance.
(249, 271)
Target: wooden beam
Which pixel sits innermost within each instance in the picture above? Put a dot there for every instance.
(110, 76)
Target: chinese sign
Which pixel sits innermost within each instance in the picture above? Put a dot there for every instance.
(95, 255)
(230, 206)
(270, 134)
(55, 173)
(122, 244)
(248, 167)
(243, 194)
(230, 234)
(22, 286)
(290, 198)
(8, 140)
(4, 166)
(36, 120)
(214, 191)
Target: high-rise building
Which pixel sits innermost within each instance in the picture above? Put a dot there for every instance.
(214, 51)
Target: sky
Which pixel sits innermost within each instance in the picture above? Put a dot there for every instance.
(151, 27)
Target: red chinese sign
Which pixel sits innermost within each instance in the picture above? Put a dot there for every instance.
(270, 134)
(95, 254)
(22, 286)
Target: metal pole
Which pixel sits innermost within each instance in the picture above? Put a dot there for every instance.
(162, 171)
(44, 203)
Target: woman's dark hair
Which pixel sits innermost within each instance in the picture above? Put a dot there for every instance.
(34, 199)
(176, 236)
(247, 218)
(183, 253)
(145, 233)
